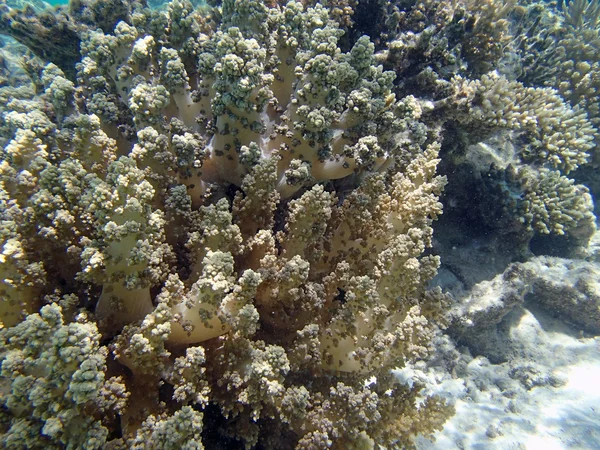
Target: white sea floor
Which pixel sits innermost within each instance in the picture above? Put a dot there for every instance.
(547, 398)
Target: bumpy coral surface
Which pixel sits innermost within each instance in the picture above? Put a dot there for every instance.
(216, 222)
(243, 209)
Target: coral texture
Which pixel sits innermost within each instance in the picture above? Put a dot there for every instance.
(245, 208)
(216, 222)
(568, 289)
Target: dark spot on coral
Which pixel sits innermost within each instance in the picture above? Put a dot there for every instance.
(341, 296)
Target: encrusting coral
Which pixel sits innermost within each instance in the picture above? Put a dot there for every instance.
(218, 221)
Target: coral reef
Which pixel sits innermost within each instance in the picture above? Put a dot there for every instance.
(476, 318)
(227, 214)
(55, 371)
(568, 289)
(574, 58)
(246, 211)
(483, 317)
(47, 34)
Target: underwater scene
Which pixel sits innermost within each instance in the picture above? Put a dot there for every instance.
(273, 225)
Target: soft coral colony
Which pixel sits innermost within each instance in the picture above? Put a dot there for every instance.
(215, 231)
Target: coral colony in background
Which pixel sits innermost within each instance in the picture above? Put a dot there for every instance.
(217, 221)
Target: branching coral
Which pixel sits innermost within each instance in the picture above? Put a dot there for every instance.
(447, 52)
(559, 136)
(427, 42)
(243, 210)
(551, 136)
(576, 56)
(553, 203)
(564, 46)
(56, 376)
(246, 209)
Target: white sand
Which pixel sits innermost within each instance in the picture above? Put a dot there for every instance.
(546, 397)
